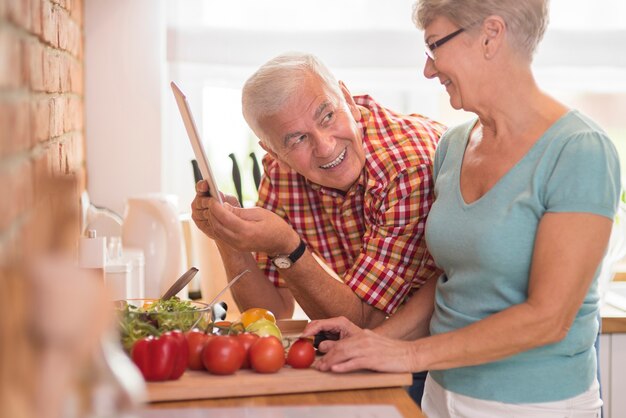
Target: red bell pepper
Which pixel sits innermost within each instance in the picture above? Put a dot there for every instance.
(161, 358)
(182, 359)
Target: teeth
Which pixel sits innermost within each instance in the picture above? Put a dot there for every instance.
(445, 83)
(336, 161)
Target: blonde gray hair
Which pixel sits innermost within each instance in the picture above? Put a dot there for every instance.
(269, 89)
(526, 20)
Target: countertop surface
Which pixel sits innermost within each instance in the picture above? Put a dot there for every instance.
(613, 320)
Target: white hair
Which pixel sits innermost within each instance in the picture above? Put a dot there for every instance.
(526, 20)
(269, 89)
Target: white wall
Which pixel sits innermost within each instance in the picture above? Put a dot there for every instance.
(124, 87)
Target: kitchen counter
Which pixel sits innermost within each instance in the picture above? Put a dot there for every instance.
(288, 388)
(396, 396)
(613, 320)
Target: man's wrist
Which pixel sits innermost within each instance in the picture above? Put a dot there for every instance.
(285, 261)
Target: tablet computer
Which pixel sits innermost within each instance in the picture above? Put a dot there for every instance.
(196, 144)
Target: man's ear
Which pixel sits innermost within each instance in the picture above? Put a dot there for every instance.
(284, 165)
(354, 110)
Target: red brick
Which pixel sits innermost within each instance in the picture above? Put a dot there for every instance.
(6, 208)
(10, 58)
(35, 15)
(41, 169)
(4, 123)
(51, 78)
(22, 135)
(16, 182)
(76, 152)
(70, 114)
(50, 27)
(57, 159)
(75, 39)
(76, 77)
(34, 59)
(79, 118)
(18, 12)
(57, 112)
(40, 118)
(25, 62)
(23, 178)
(15, 120)
(64, 73)
(76, 11)
(65, 26)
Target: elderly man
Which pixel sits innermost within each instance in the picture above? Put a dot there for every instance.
(345, 180)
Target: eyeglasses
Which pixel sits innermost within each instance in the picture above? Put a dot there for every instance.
(430, 48)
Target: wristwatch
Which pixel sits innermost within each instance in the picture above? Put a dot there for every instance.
(286, 261)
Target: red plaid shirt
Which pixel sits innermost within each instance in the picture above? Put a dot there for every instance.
(373, 235)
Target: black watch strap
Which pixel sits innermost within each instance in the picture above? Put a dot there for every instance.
(286, 261)
(298, 252)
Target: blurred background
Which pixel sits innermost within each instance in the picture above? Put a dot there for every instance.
(136, 140)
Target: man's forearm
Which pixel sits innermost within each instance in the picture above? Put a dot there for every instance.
(256, 290)
(322, 296)
(412, 320)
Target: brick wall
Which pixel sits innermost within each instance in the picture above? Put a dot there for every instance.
(41, 106)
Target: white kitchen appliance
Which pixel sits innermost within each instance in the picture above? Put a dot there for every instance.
(151, 224)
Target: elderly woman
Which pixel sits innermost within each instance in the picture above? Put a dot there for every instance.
(525, 197)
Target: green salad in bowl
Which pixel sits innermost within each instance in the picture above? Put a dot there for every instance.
(139, 318)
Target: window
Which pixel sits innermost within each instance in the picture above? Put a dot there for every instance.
(373, 46)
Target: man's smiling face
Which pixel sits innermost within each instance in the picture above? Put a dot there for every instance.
(316, 134)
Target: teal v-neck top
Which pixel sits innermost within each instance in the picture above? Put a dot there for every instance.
(485, 250)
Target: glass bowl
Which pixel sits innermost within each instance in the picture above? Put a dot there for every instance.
(140, 318)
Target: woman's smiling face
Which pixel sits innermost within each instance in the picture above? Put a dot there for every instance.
(452, 63)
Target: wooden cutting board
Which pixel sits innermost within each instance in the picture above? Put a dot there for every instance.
(203, 385)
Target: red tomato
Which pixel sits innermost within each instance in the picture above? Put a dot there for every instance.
(223, 354)
(196, 340)
(247, 339)
(301, 354)
(267, 354)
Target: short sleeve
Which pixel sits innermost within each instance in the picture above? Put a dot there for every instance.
(586, 176)
(440, 155)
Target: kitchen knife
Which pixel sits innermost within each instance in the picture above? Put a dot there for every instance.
(256, 171)
(236, 178)
(197, 176)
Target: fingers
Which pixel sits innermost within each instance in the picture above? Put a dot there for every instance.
(202, 188)
(339, 325)
(368, 350)
(340, 356)
(231, 200)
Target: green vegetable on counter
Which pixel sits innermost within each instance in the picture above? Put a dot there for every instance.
(155, 318)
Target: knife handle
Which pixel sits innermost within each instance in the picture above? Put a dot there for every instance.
(256, 171)
(197, 176)
(236, 178)
(323, 336)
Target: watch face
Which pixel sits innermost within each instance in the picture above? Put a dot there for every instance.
(282, 262)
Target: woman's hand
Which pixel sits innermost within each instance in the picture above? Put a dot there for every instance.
(359, 349)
